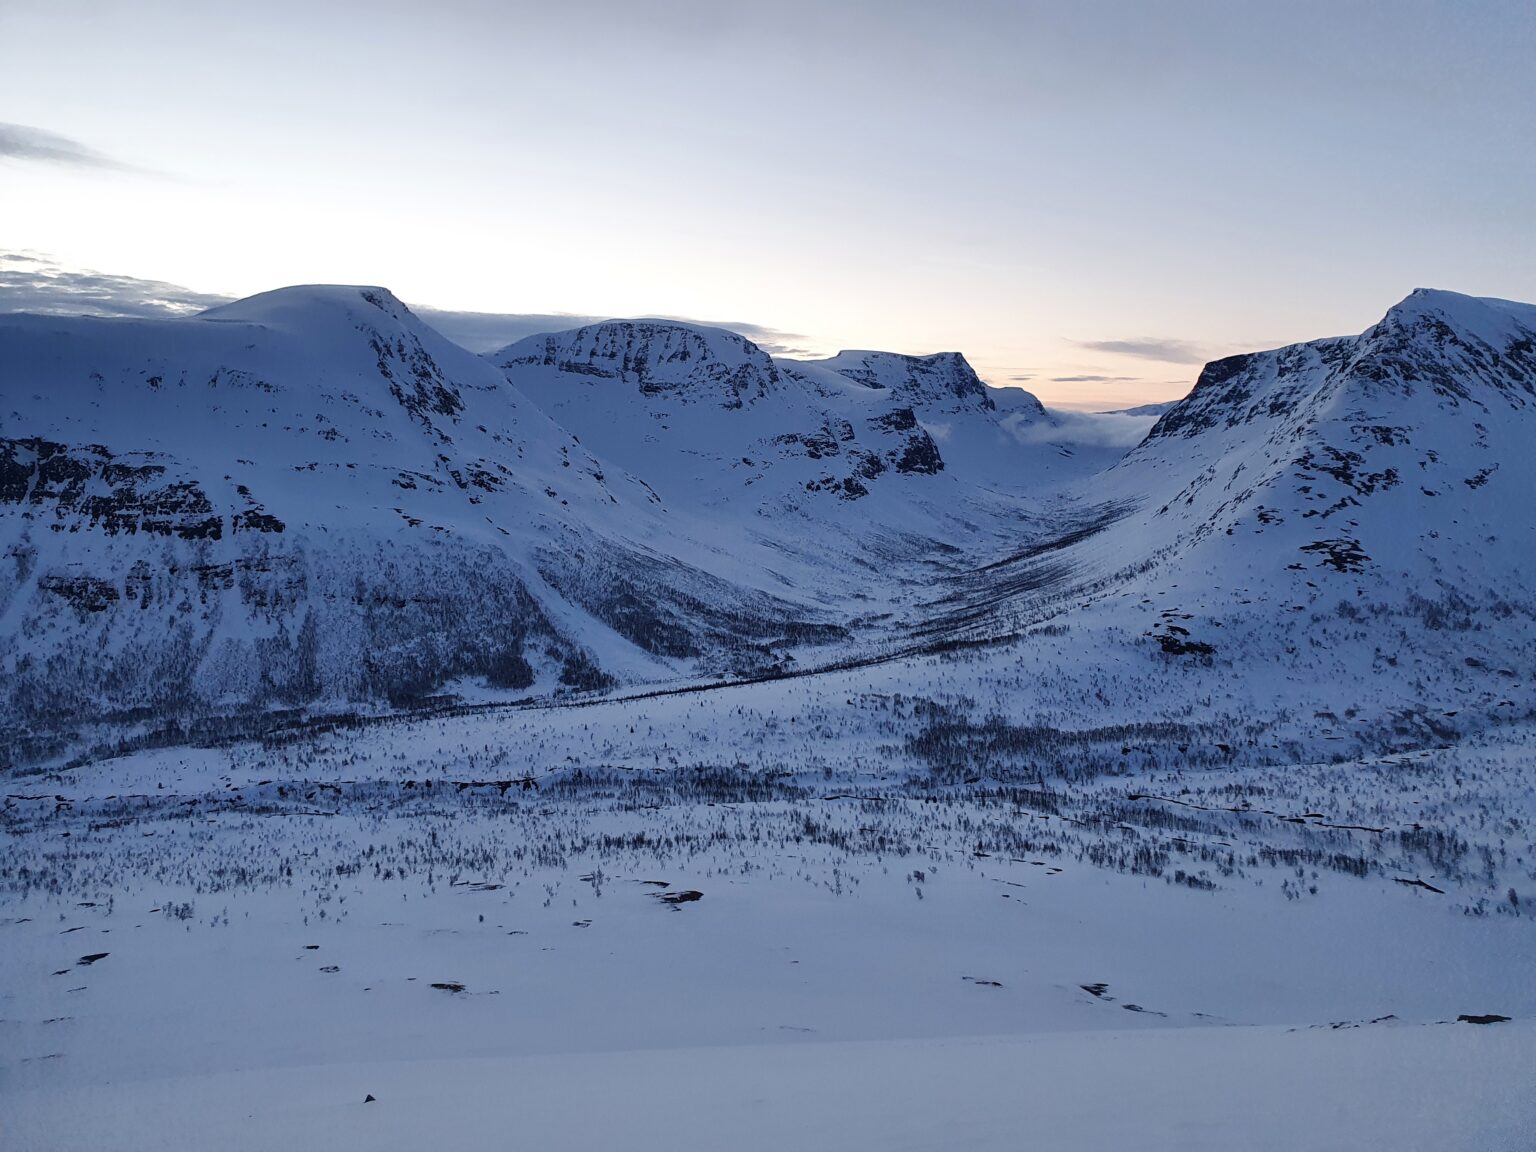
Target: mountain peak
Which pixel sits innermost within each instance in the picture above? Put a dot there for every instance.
(1450, 345)
(283, 306)
(663, 357)
(1485, 317)
(1461, 347)
(943, 381)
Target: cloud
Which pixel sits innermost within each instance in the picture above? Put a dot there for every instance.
(1095, 379)
(770, 340)
(1085, 429)
(1151, 348)
(33, 283)
(488, 331)
(30, 282)
(19, 142)
(1023, 376)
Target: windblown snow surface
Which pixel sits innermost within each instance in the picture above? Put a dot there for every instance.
(628, 738)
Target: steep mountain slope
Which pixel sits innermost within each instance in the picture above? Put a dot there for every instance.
(791, 469)
(652, 394)
(868, 459)
(1001, 438)
(1343, 525)
(1396, 456)
(310, 495)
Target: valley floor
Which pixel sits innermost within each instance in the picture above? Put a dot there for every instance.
(1403, 1089)
(738, 920)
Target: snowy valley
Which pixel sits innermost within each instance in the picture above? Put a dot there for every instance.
(632, 706)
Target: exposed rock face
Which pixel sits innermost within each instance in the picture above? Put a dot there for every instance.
(309, 497)
(892, 441)
(919, 454)
(1458, 348)
(68, 485)
(937, 384)
(1355, 458)
(686, 362)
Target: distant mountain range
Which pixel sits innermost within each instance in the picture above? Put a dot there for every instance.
(1143, 409)
(309, 501)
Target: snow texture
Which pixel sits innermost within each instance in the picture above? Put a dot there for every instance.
(833, 753)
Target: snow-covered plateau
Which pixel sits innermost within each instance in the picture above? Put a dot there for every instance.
(628, 737)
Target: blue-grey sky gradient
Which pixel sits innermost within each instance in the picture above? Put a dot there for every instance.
(1096, 194)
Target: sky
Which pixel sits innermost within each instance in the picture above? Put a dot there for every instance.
(1088, 199)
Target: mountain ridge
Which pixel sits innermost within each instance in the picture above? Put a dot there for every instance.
(309, 498)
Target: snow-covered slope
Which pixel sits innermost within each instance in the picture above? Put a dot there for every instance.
(1343, 526)
(997, 437)
(790, 473)
(1219, 760)
(704, 413)
(310, 495)
(1397, 456)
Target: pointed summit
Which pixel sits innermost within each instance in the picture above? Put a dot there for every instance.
(1459, 308)
(1461, 347)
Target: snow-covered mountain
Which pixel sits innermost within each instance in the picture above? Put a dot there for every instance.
(1395, 456)
(694, 364)
(809, 475)
(704, 413)
(311, 498)
(1341, 525)
(278, 499)
(1002, 438)
(1266, 680)
(725, 424)
(1381, 478)
(1156, 409)
(939, 384)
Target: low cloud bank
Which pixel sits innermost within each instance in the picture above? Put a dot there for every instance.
(1083, 429)
(32, 282)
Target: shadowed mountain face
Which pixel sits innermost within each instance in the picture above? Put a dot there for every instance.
(943, 382)
(1407, 435)
(310, 498)
(660, 358)
(703, 414)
